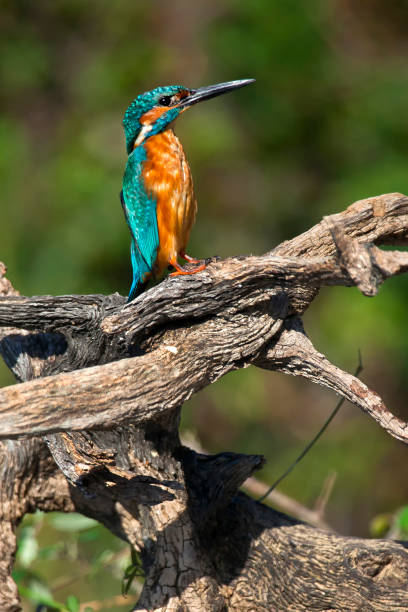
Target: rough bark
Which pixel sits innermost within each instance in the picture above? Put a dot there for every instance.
(102, 386)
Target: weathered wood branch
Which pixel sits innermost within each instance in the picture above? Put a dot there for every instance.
(132, 389)
(293, 353)
(105, 383)
(30, 480)
(379, 220)
(250, 298)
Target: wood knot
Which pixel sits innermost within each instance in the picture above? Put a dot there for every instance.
(387, 567)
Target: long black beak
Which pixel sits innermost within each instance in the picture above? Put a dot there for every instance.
(206, 93)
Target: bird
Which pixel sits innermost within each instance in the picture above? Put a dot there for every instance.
(157, 193)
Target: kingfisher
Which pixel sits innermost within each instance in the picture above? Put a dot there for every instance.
(157, 193)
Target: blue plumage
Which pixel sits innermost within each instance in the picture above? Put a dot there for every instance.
(149, 114)
(138, 206)
(140, 213)
(142, 104)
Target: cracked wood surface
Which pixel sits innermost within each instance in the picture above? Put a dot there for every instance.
(132, 389)
(230, 312)
(119, 377)
(269, 562)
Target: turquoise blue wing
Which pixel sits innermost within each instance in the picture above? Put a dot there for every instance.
(140, 213)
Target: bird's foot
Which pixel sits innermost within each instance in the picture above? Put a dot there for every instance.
(183, 271)
(188, 258)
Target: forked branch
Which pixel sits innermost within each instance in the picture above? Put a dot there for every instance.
(104, 382)
(195, 329)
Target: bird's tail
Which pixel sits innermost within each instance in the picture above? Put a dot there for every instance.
(141, 272)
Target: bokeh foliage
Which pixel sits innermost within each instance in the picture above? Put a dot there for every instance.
(325, 125)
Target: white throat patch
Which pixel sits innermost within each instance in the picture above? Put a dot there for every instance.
(143, 133)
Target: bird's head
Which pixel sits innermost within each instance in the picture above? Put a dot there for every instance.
(151, 112)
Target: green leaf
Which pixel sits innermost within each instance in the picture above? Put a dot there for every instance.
(72, 603)
(38, 596)
(127, 583)
(90, 535)
(52, 551)
(134, 557)
(132, 571)
(72, 522)
(27, 546)
(100, 560)
(379, 525)
(19, 575)
(403, 519)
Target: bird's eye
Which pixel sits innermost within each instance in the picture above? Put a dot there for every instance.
(165, 101)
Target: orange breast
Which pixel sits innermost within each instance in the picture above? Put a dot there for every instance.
(167, 178)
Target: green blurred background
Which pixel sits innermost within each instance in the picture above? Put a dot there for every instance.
(324, 125)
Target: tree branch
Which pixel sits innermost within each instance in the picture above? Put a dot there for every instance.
(380, 220)
(119, 377)
(293, 353)
(242, 299)
(133, 389)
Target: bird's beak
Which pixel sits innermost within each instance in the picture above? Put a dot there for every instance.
(206, 93)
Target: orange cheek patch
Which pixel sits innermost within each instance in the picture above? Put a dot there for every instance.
(152, 115)
(183, 94)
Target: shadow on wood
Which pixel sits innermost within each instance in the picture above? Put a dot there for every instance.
(99, 408)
